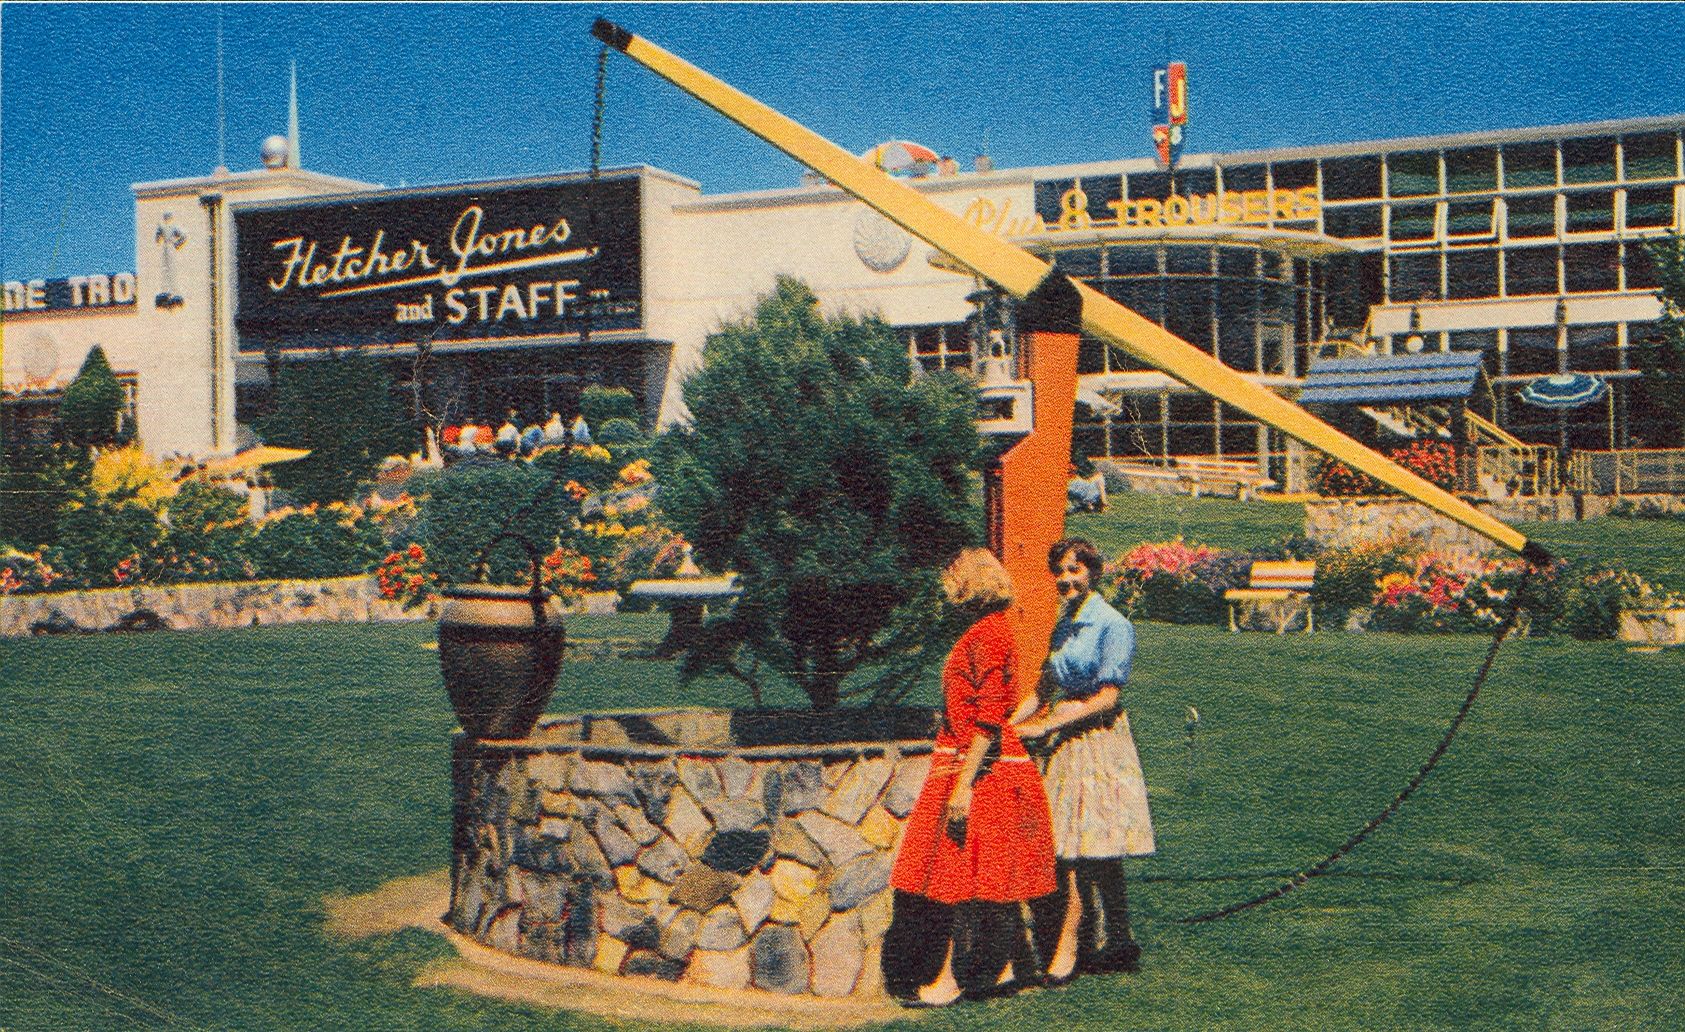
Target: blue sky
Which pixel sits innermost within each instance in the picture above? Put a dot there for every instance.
(98, 97)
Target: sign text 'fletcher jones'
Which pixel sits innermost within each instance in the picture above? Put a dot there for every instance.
(463, 264)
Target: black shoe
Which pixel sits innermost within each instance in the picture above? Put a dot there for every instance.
(1125, 959)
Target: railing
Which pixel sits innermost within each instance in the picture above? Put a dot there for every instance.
(1501, 470)
(1629, 471)
(1484, 431)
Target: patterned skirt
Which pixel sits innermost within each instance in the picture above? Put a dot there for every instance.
(1097, 793)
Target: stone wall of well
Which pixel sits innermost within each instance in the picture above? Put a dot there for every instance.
(716, 864)
(202, 606)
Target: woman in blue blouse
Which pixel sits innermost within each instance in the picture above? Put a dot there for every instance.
(1093, 775)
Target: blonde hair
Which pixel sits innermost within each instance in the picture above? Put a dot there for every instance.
(976, 578)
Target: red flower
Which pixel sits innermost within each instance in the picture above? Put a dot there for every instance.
(415, 552)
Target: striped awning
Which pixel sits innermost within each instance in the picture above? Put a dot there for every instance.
(1391, 378)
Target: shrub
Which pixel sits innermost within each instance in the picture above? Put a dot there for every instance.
(207, 537)
(23, 573)
(600, 405)
(93, 403)
(341, 408)
(315, 541)
(470, 501)
(1346, 578)
(1176, 582)
(618, 431)
(38, 484)
(834, 484)
(103, 543)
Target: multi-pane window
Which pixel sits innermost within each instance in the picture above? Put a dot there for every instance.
(1352, 223)
(1531, 217)
(1588, 161)
(942, 346)
(1244, 177)
(1468, 218)
(1414, 174)
(1591, 267)
(1080, 261)
(1589, 211)
(1650, 156)
(1533, 351)
(1530, 164)
(1640, 266)
(1414, 277)
(1152, 185)
(1529, 270)
(1471, 171)
(1470, 274)
(1196, 182)
(1412, 222)
(1594, 349)
(1293, 175)
(1649, 207)
(1351, 179)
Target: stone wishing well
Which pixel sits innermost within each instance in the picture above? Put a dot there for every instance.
(709, 847)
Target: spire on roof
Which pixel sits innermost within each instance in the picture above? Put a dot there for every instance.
(292, 119)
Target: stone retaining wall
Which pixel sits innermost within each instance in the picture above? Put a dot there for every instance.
(201, 606)
(1345, 522)
(604, 842)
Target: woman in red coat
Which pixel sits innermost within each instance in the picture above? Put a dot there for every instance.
(979, 841)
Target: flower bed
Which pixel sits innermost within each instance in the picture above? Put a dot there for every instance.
(1388, 586)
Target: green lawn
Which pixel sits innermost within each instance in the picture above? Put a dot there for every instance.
(177, 805)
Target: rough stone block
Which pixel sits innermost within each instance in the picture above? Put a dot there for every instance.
(686, 822)
(504, 931)
(652, 965)
(793, 881)
(550, 770)
(904, 787)
(632, 925)
(558, 804)
(728, 969)
(701, 888)
(779, 961)
(880, 829)
(611, 953)
(812, 912)
(700, 779)
(860, 880)
(663, 861)
(871, 968)
(721, 929)
(605, 780)
(858, 789)
(654, 783)
(737, 776)
(802, 786)
(789, 840)
(840, 841)
(588, 859)
(542, 898)
(678, 938)
(617, 846)
(834, 771)
(785, 911)
(754, 899)
(838, 956)
(737, 814)
(636, 824)
(875, 915)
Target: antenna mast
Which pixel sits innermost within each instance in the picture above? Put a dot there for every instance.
(292, 119)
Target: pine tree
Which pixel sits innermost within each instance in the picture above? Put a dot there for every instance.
(834, 484)
(93, 402)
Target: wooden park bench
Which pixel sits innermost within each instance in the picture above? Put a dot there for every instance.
(1284, 586)
(1220, 476)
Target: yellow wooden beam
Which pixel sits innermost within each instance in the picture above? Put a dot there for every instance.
(1018, 272)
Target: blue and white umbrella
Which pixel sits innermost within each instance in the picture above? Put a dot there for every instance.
(1564, 391)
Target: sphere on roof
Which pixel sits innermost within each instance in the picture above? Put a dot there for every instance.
(274, 152)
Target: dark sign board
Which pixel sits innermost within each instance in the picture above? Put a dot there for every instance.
(478, 262)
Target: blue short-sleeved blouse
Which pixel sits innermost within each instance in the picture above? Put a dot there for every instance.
(1093, 648)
